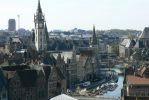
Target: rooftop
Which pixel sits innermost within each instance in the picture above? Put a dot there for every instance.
(145, 33)
(63, 97)
(135, 80)
(14, 68)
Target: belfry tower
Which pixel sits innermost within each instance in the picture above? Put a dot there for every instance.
(41, 33)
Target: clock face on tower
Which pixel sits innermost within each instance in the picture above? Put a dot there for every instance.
(40, 25)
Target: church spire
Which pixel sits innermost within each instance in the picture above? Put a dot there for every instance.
(94, 38)
(46, 33)
(39, 10)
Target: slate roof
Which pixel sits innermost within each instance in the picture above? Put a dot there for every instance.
(47, 71)
(60, 74)
(28, 77)
(57, 71)
(14, 68)
(145, 33)
(139, 44)
(128, 43)
(49, 60)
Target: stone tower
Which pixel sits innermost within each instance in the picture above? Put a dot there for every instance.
(41, 34)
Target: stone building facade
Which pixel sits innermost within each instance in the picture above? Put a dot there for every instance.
(33, 82)
(72, 70)
(56, 83)
(25, 84)
(85, 67)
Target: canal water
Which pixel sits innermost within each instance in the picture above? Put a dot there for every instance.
(117, 92)
(110, 94)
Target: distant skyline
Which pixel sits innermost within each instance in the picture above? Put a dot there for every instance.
(69, 14)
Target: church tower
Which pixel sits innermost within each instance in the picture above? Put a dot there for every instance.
(94, 41)
(94, 38)
(41, 34)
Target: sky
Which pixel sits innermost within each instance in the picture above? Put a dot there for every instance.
(69, 14)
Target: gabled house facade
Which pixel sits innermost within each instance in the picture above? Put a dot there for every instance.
(56, 83)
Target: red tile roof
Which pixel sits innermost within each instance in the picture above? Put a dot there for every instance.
(137, 80)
